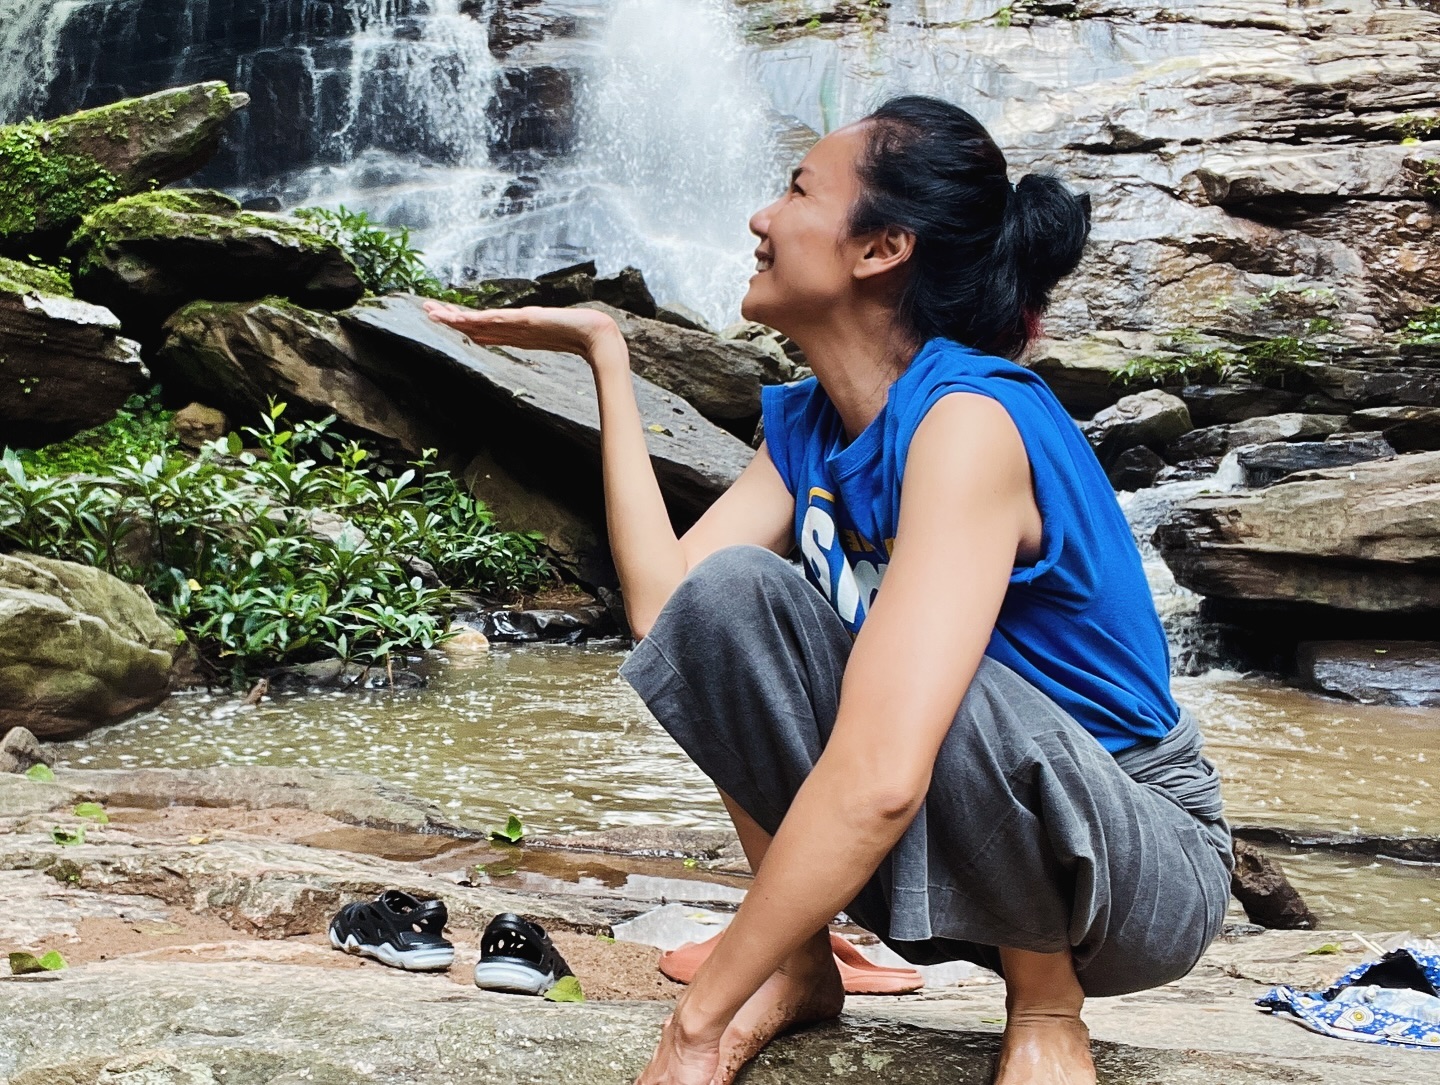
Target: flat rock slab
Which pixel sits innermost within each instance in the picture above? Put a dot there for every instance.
(274, 1023)
(350, 797)
(695, 460)
(1374, 672)
(1363, 538)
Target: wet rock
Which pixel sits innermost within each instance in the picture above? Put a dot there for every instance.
(1374, 672)
(627, 291)
(147, 255)
(720, 378)
(20, 750)
(1262, 465)
(335, 674)
(1407, 429)
(1152, 418)
(542, 403)
(1135, 469)
(78, 647)
(96, 155)
(564, 286)
(196, 425)
(682, 316)
(240, 354)
(567, 624)
(1217, 404)
(533, 112)
(1216, 441)
(1407, 849)
(66, 367)
(1383, 383)
(1266, 894)
(1364, 538)
(650, 841)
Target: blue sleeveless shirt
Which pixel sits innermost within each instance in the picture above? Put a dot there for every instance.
(1078, 623)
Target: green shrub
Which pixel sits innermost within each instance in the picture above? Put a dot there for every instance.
(141, 428)
(1259, 362)
(387, 262)
(298, 548)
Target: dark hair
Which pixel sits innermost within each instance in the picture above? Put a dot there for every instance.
(986, 254)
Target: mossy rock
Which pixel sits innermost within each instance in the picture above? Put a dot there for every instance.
(147, 255)
(54, 172)
(78, 647)
(17, 277)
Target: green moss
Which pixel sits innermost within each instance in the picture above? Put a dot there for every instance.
(41, 187)
(18, 277)
(172, 213)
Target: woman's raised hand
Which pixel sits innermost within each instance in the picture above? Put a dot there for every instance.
(574, 331)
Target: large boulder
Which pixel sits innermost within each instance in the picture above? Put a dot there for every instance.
(720, 378)
(1360, 539)
(147, 255)
(1374, 672)
(1152, 418)
(78, 648)
(539, 408)
(576, 540)
(1083, 372)
(54, 172)
(239, 354)
(64, 366)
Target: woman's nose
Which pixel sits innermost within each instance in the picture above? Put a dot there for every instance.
(760, 221)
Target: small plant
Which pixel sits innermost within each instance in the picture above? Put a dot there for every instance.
(1423, 329)
(1414, 128)
(388, 263)
(1004, 17)
(1258, 362)
(513, 831)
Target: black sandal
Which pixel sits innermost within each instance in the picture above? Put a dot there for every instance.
(517, 955)
(395, 929)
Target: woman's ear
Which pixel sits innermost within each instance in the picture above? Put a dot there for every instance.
(885, 251)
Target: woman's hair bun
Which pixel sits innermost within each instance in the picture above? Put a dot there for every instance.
(987, 255)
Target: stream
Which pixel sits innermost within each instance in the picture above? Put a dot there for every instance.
(552, 734)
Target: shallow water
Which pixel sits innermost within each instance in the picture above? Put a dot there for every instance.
(554, 735)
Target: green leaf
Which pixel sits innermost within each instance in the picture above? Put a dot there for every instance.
(1327, 948)
(513, 833)
(68, 838)
(605, 938)
(41, 772)
(94, 811)
(234, 445)
(567, 989)
(27, 964)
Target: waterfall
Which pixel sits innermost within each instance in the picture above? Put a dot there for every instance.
(29, 33)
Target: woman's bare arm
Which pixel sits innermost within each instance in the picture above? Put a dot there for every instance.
(649, 558)
(966, 509)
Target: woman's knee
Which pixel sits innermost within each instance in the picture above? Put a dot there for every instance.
(723, 592)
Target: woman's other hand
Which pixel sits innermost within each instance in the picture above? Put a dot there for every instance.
(679, 1060)
(574, 331)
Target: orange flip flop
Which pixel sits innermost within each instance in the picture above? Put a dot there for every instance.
(860, 975)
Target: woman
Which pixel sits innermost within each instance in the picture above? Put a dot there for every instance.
(960, 730)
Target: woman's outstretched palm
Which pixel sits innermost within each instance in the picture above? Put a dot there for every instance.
(574, 331)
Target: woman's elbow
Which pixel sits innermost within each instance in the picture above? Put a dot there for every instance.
(889, 802)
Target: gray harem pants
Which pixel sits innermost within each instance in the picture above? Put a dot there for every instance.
(1032, 836)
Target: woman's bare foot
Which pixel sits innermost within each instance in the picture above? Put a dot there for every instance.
(1045, 1049)
(1045, 1042)
(805, 990)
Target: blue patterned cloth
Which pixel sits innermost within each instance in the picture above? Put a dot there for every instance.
(1393, 1001)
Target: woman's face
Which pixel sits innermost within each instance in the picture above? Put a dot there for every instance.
(806, 259)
